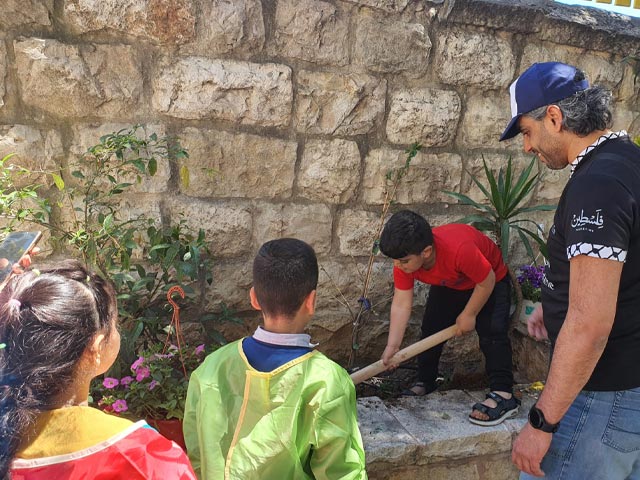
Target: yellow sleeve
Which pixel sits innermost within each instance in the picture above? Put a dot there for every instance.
(190, 423)
(338, 452)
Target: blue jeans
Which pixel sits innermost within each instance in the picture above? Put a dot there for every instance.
(598, 439)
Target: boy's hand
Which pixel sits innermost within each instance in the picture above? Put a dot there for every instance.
(465, 323)
(389, 352)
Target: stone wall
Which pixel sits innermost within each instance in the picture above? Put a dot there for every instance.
(300, 107)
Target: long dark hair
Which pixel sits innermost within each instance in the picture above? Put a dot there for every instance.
(47, 320)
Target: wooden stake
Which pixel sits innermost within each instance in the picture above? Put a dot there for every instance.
(404, 354)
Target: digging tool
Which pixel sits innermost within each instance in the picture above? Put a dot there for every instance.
(404, 354)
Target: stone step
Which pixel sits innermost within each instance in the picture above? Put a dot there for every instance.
(430, 437)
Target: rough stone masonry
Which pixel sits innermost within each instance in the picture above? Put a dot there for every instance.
(301, 107)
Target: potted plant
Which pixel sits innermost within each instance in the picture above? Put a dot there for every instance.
(530, 281)
(155, 388)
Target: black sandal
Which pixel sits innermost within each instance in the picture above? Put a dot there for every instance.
(505, 408)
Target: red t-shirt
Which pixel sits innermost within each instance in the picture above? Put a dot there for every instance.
(464, 257)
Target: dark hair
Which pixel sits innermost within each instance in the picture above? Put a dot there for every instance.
(47, 320)
(584, 112)
(285, 272)
(406, 233)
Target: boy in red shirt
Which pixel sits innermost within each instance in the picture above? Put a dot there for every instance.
(469, 287)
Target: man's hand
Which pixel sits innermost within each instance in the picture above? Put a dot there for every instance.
(389, 352)
(530, 447)
(465, 323)
(535, 325)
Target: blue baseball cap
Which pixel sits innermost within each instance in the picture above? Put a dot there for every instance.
(541, 84)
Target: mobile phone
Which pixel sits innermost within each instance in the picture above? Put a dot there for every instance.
(13, 247)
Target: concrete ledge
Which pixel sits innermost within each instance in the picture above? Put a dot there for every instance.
(430, 437)
(579, 26)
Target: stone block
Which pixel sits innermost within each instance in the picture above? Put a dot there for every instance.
(223, 164)
(308, 222)
(427, 176)
(439, 423)
(384, 45)
(333, 331)
(329, 170)
(629, 88)
(166, 21)
(552, 184)
(232, 280)
(311, 30)
(386, 5)
(34, 149)
(3, 72)
(598, 66)
(497, 467)
(227, 225)
(464, 57)
(225, 27)
(428, 116)
(623, 118)
(240, 92)
(467, 471)
(591, 29)
(357, 231)
(385, 439)
(26, 12)
(341, 283)
(337, 104)
(86, 136)
(485, 118)
(78, 81)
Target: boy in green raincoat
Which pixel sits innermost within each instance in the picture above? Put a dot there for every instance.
(269, 406)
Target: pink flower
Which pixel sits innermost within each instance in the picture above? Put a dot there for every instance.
(142, 373)
(109, 382)
(153, 384)
(120, 406)
(199, 349)
(125, 381)
(137, 364)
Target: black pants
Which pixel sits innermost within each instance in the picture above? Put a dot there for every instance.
(492, 324)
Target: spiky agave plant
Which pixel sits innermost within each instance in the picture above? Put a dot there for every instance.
(507, 194)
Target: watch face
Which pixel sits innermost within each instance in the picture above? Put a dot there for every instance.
(535, 418)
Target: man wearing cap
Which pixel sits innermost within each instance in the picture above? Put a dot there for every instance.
(586, 423)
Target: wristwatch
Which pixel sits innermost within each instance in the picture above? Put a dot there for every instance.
(537, 421)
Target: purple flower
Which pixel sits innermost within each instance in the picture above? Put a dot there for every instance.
(109, 382)
(125, 381)
(137, 364)
(120, 406)
(153, 384)
(142, 373)
(199, 349)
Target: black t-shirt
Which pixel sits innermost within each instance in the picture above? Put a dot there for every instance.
(599, 215)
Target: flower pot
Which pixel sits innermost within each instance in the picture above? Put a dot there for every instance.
(171, 429)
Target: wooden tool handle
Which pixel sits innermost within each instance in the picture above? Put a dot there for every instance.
(404, 354)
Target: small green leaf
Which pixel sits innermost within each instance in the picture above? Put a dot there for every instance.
(184, 176)
(153, 166)
(57, 179)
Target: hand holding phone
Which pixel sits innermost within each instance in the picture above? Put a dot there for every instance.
(14, 246)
